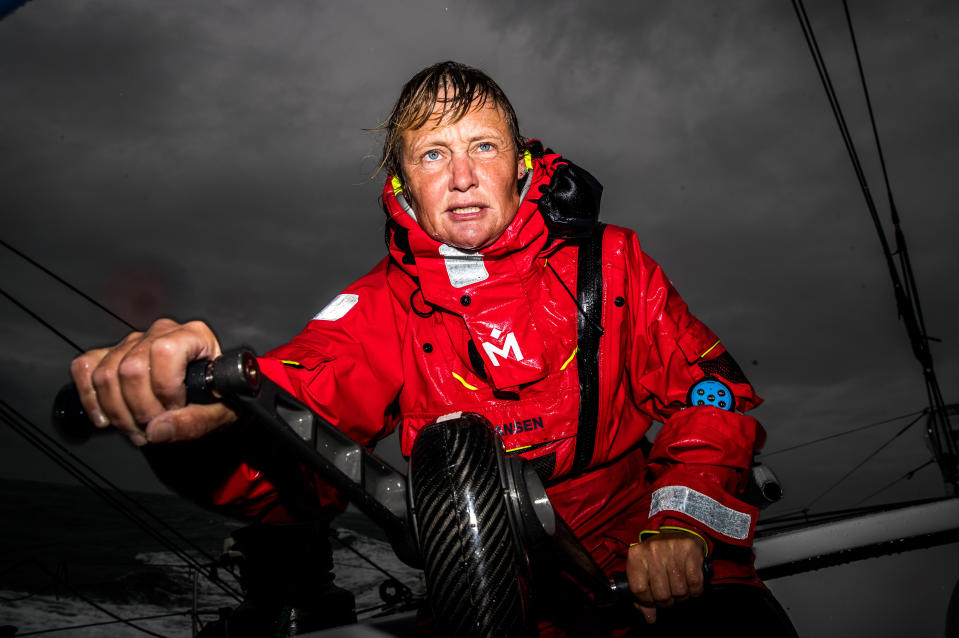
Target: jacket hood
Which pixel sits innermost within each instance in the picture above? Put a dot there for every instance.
(486, 288)
(558, 198)
(526, 229)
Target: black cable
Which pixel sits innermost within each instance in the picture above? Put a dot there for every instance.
(65, 465)
(63, 457)
(95, 605)
(62, 450)
(906, 296)
(769, 524)
(77, 473)
(902, 298)
(915, 326)
(850, 147)
(841, 122)
(60, 455)
(765, 455)
(863, 462)
(872, 118)
(69, 285)
(910, 284)
(831, 96)
(101, 624)
(905, 477)
(42, 321)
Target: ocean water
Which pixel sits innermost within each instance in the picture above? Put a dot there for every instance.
(71, 565)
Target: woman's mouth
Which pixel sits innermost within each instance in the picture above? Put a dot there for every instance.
(465, 212)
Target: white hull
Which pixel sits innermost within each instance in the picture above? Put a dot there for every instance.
(890, 573)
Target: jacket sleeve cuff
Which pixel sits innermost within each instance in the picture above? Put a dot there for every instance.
(714, 514)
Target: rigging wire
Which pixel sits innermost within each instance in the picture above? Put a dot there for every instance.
(863, 462)
(40, 319)
(774, 523)
(910, 283)
(81, 471)
(60, 455)
(63, 458)
(765, 455)
(907, 301)
(823, 72)
(872, 116)
(103, 623)
(905, 477)
(915, 326)
(70, 286)
(95, 605)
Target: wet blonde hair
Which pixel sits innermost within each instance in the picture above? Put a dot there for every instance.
(459, 88)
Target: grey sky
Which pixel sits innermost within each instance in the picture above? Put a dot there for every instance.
(208, 160)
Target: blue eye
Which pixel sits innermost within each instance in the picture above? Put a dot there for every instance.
(485, 146)
(432, 156)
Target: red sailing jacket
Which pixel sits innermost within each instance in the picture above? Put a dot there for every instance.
(431, 330)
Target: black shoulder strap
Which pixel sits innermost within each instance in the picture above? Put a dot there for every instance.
(589, 291)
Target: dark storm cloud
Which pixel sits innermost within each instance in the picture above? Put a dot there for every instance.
(208, 160)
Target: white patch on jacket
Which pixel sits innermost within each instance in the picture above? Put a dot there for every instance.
(337, 308)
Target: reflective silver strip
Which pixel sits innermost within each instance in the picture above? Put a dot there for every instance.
(337, 308)
(698, 506)
(463, 268)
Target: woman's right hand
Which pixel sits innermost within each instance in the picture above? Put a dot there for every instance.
(137, 385)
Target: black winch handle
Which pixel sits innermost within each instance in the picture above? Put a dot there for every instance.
(619, 588)
(73, 424)
(619, 584)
